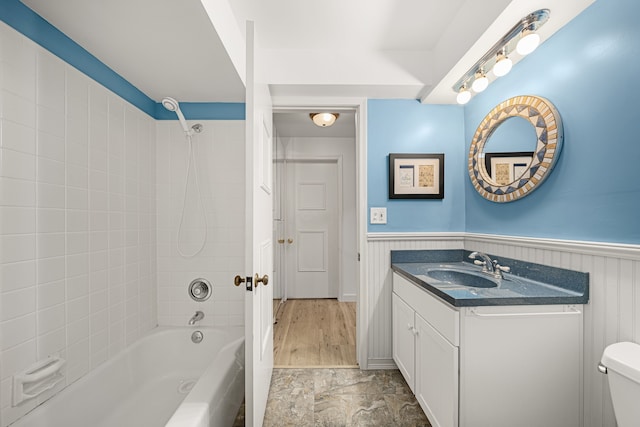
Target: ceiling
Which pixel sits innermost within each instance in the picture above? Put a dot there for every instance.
(163, 47)
(193, 50)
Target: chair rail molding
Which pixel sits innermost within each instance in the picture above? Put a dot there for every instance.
(606, 249)
(422, 236)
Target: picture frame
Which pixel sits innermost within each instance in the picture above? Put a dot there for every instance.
(416, 176)
(505, 168)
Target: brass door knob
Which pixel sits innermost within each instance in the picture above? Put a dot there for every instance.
(264, 280)
(238, 280)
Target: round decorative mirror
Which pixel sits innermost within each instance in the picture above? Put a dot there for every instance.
(515, 148)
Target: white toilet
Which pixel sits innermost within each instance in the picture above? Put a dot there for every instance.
(621, 363)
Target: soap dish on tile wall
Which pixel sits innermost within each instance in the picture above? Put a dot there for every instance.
(37, 378)
(200, 290)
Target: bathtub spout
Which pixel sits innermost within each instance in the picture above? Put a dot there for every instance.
(196, 317)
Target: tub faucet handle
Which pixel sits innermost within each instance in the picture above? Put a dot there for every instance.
(196, 317)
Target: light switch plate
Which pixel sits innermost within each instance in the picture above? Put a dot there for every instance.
(378, 216)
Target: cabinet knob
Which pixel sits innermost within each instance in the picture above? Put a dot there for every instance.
(412, 328)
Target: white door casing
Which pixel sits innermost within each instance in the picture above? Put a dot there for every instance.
(259, 240)
(360, 106)
(313, 228)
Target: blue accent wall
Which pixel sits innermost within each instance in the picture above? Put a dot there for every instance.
(589, 71)
(30, 24)
(406, 126)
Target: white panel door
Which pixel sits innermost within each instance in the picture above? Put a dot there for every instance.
(404, 339)
(436, 375)
(259, 242)
(313, 231)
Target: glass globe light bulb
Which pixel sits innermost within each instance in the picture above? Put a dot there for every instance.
(480, 83)
(528, 43)
(502, 66)
(463, 96)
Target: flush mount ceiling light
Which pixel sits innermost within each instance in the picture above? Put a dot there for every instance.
(522, 38)
(324, 119)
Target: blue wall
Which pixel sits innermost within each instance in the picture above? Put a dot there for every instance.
(406, 126)
(30, 24)
(589, 70)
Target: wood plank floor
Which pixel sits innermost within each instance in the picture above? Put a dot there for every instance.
(315, 333)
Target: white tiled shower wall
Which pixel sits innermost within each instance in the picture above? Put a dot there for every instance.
(219, 156)
(88, 255)
(77, 217)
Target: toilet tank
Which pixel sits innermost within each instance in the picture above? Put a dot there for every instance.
(622, 361)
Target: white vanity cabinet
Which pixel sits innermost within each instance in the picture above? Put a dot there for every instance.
(425, 348)
(489, 366)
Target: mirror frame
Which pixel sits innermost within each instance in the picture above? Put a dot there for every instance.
(544, 117)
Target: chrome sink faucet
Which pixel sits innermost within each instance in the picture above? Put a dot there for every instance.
(489, 266)
(196, 317)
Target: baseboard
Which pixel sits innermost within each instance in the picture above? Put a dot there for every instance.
(381, 364)
(348, 298)
(316, 366)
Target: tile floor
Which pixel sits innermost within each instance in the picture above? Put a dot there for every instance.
(340, 397)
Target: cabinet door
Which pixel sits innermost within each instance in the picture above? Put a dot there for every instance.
(403, 339)
(436, 375)
(512, 355)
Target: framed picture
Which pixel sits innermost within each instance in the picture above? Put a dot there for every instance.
(504, 168)
(416, 176)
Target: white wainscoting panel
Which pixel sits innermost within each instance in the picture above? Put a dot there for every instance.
(379, 285)
(612, 314)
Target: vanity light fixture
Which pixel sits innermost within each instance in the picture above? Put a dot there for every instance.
(324, 119)
(521, 39)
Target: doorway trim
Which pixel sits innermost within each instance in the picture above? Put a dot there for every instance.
(359, 105)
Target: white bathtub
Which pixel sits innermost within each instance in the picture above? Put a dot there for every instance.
(162, 379)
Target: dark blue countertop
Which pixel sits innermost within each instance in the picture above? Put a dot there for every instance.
(526, 284)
